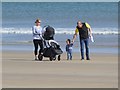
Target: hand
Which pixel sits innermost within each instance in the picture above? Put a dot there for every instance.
(72, 41)
(90, 36)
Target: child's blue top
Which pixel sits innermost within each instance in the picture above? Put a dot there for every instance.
(69, 47)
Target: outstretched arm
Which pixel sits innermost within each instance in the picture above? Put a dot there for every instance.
(75, 35)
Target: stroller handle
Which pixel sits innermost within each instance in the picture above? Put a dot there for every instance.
(41, 35)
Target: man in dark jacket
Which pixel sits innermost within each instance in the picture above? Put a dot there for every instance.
(85, 32)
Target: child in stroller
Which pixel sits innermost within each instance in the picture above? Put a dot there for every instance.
(51, 47)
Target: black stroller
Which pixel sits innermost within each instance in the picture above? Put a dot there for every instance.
(51, 47)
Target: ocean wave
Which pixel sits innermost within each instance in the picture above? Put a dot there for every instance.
(59, 31)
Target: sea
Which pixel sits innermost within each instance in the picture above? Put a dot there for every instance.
(19, 17)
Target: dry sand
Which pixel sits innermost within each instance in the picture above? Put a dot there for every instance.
(21, 71)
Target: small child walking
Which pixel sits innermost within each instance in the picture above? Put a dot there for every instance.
(69, 49)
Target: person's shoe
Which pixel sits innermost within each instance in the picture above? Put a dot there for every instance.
(82, 58)
(88, 59)
(36, 58)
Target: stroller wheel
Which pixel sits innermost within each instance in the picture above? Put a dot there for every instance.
(54, 58)
(51, 58)
(40, 57)
(59, 58)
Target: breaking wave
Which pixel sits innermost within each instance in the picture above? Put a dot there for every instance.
(59, 31)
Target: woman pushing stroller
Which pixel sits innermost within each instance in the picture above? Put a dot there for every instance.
(37, 38)
(44, 37)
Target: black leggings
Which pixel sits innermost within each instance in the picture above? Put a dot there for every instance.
(36, 43)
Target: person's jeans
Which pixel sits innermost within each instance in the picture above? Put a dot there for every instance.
(69, 55)
(86, 43)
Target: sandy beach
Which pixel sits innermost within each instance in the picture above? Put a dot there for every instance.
(19, 70)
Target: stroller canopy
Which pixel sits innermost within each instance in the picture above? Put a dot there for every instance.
(49, 33)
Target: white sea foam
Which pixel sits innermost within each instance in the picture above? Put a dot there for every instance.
(59, 31)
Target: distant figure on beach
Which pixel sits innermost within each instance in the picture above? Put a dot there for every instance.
(85, 32)
(37, 37)
(69, 49)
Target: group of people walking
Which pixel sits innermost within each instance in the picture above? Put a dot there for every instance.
(83, 29)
